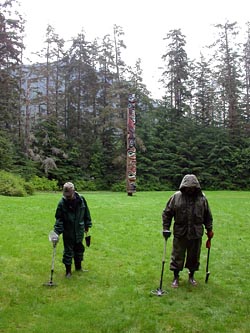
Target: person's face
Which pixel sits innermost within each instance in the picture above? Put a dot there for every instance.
(190, 190)
(69, 195)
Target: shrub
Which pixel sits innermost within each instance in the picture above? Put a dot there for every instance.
(152, 184)
(14, 185)
(29, 188)
(85, 185)
(44, 184)
(119, 187)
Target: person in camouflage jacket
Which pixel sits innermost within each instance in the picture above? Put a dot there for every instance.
(190, 210)
(72, 220)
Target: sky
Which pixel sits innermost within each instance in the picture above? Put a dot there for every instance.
(145, 24)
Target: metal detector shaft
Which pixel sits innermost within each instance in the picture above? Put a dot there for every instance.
(163, 263)
(207, 271)
(159, 291)
(54, 239)
(53, 263)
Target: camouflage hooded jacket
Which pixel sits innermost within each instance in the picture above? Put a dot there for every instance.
(190, 210)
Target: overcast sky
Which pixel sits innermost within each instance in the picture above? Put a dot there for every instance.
(145, 24)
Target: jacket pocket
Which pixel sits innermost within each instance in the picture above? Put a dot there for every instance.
(198, 230)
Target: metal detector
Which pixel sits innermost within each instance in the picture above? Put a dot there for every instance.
(159, 291)
(208, 245)
(54, 239)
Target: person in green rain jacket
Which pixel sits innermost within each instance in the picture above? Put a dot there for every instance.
(72, 220)
(190, 210)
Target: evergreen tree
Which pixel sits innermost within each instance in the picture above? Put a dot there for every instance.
(176, 74)
(11, 47)
(7, 152)
(204, 94)
(228, 75)
(246, 81)
(71, 119)
(81, 78)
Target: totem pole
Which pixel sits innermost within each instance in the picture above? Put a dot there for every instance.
(131, 150)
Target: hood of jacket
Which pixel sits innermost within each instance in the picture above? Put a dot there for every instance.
(190, 181)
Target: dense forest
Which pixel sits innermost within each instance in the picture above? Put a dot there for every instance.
(64, 117)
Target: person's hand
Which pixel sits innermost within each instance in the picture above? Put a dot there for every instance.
(166, 234)
(208, 243)
(86, 229)
(210, 234)
(55, 239)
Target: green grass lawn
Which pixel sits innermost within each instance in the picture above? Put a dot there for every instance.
(124, 263)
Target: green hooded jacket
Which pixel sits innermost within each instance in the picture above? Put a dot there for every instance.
(190, 210)
(72, 221)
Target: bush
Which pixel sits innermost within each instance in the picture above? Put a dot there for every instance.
(44, 184)
(29, 188)
(152, 184)
(85, 185)
(14, 185)
(119, 187)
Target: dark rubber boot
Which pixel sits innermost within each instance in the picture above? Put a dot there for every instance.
(175, 283)
(68, 271)
(78, 265)
(191, 279)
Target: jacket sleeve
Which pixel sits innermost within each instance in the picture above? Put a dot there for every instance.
(87, 217)
(168, 214)
(208, 218)
(58, 227)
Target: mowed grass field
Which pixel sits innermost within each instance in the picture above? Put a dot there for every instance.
(124, 265)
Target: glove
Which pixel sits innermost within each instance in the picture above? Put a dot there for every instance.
(208, 243)
(53, 238)
(210, 234)
(86, 229)
(88, 240)
(166, 234)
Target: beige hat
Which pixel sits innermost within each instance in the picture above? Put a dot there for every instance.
(68, 189)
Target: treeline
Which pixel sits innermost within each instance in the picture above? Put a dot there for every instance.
(65, 116)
